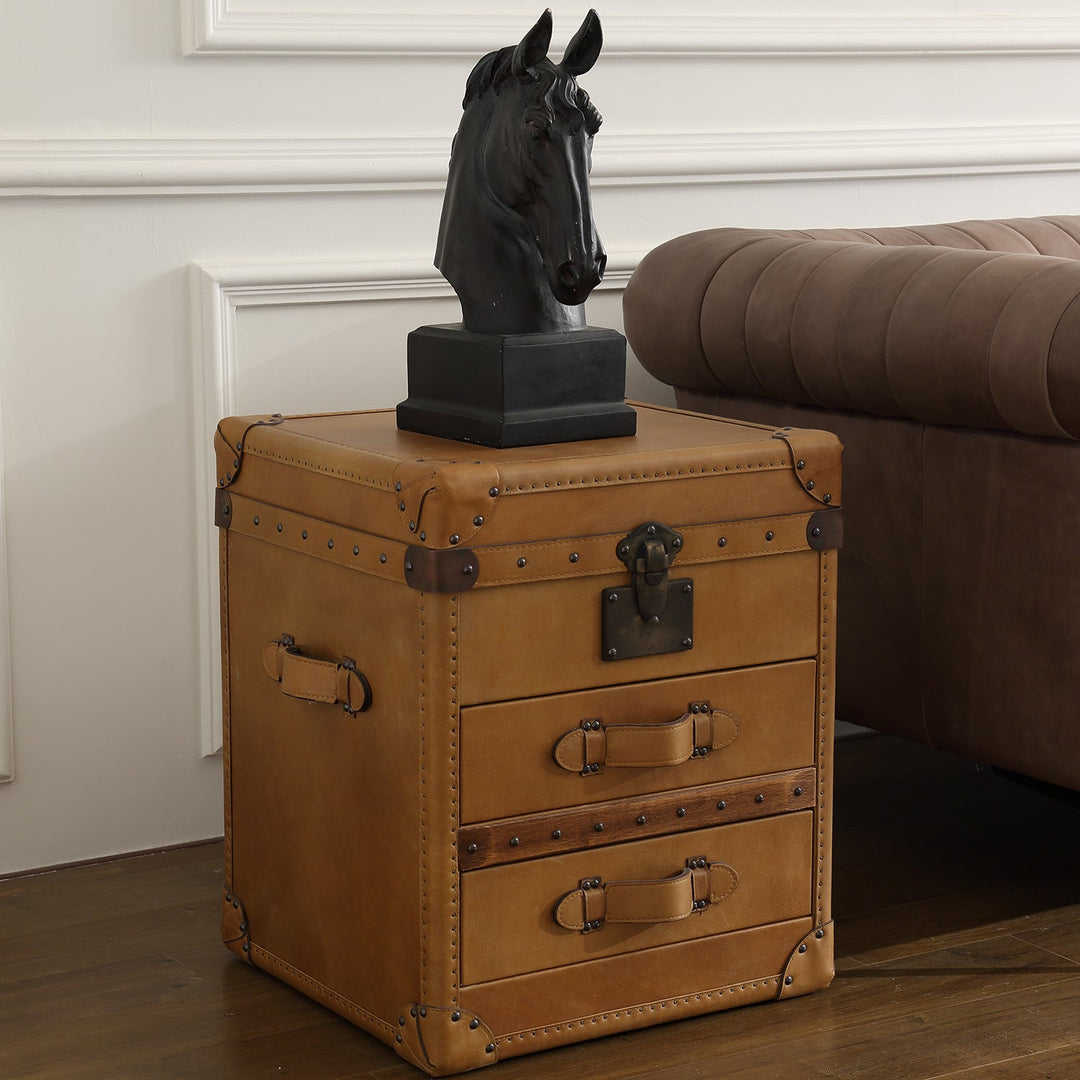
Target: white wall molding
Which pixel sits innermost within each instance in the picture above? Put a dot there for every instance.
(31, 168)
(371, 27)
(218, 293)
(7, 722)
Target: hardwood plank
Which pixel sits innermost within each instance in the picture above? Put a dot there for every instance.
(1041, 1065)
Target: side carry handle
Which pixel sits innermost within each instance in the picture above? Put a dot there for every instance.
(594, 745)
(337, 682)
(595, 903)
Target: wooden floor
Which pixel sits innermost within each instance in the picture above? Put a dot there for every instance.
(958, 906)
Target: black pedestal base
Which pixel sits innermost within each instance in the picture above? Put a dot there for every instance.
(516, 390)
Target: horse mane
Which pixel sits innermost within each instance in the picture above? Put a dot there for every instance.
(494, 69)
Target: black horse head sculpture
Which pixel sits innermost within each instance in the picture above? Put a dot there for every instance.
(517, 239)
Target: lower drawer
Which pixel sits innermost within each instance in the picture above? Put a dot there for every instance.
(525, 916)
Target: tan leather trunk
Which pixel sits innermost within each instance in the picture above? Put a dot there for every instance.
(524, 747)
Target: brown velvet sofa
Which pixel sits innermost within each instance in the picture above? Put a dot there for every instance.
(947, 359)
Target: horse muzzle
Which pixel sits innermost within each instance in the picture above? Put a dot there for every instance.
(574, 280)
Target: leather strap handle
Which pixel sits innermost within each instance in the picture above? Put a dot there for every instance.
(333, 682)
(595, 903)
(595, 745)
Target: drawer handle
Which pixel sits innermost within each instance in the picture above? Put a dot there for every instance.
(595, 745)
(595, 903)
(335, 682)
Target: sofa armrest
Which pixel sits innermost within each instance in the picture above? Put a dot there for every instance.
(872, 322)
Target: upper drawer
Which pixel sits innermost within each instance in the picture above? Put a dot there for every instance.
(762, 722)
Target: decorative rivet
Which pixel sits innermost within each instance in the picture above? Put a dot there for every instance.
(243, 928)
(556, 834)
(826, 498)
(802, 948)
(596, 725)
(759, 798)
(574, 556)
(412, 1011)
(809, 485)
(478, 520)
(798, 791)
(596, 883)
(423, 1012)
(815, 531)
(769, 535)
(422, 534)
(382, 556)
(474, 1024)
(800, 464)
(356, 549)
(586, 886)
(681, 812)
(722, 542)
(522, 561)
(235, 464)
(330, 544)
(624, 550)
(820, 934)
(651, 530)
(401, 1021)
(494, 492)
(228, 898)
(408, 567)
(612, 597)
(490, 1048)
(455, 1017)
(397, 486)
(721, 805)
(236, 904)
(256, 519)
(279, 526)
(401, 505)
(398, 1037)
(514, 841)
(599, 826)
(788, 981)
(688, 588)
(687, 642)
(471, 849)
(612, 653)
(240, 447)
(641, 819)
(303, 535)
(412, 526)
(455, 539)
(247, 947)
(468, 570)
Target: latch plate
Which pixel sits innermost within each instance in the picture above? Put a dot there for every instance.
(624, 634)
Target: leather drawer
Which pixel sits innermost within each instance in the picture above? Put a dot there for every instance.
(764, 724)
(764, 869)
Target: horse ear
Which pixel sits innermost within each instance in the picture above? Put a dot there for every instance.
(533, 47)
(583, 50)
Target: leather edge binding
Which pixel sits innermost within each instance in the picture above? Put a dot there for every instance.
(445, 570)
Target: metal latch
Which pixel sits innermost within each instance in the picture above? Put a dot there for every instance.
(656, 613)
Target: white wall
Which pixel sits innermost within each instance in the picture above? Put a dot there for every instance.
(232, 204)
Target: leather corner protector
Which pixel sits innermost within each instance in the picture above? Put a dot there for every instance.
(810, 966)
(446, 502)
(222, 508)
(825, 530)
(234, 926)
(447, 570)
(444, 1040)
(229, 439)
(815, 456)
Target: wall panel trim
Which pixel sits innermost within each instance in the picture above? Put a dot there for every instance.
(373, 28)
(7, 719)
(41, 168)
(218, 292)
